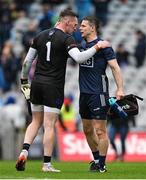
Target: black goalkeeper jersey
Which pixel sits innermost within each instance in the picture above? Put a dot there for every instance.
(52, 47)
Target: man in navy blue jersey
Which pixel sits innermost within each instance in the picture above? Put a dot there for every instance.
(52, 48)
(93, 84)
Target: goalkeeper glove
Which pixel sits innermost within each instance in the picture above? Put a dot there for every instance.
(25, 88)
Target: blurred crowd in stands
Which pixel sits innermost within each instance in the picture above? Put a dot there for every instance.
(20, 21)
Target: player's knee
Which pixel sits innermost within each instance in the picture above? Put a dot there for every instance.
(102, 133)
(88, 130)
(35, 124)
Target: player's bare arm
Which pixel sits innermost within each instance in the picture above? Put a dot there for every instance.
(118, 77)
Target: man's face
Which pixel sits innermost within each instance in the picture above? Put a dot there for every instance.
(71, 25)
(86, 29)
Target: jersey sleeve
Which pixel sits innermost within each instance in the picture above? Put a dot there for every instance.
(34, 43)
(70, 43)
(109, 53)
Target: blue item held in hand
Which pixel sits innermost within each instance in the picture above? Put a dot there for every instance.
(117, 109)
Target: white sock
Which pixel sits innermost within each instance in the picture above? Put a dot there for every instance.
(47, 164)
(24, 152)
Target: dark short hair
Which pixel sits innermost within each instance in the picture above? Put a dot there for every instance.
(93, 21)
(67, 12)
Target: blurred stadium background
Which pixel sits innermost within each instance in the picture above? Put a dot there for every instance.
(123, 23)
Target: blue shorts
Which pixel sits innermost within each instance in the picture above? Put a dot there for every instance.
(93, 106)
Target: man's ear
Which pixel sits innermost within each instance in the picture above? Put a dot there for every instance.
(93, 28)
(67, 22)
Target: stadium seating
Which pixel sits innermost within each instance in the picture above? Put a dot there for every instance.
(123, 20)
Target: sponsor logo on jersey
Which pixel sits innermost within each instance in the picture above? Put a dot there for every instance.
(96, 109)
(51, 32)
(89, 63)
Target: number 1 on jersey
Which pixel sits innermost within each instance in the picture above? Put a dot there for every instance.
(48, 44)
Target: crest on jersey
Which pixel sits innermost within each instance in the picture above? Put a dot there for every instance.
(51, 32)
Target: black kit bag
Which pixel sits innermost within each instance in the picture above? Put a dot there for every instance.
(128, 103)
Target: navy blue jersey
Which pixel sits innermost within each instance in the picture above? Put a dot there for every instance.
(92, 75)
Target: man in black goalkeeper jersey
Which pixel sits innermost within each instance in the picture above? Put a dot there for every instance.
(52, 48)
(93, 84)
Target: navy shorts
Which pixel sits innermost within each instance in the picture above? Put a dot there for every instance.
(93, 106)
(45, 94)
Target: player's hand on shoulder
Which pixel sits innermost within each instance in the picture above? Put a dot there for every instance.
(25, 88)
(102, 44)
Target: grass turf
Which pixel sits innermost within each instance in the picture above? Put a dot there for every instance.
(73, 170)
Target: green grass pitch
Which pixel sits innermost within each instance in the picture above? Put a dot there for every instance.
(73, 170)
